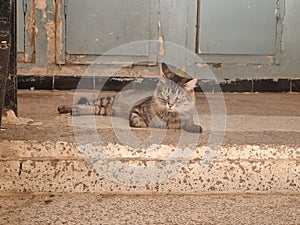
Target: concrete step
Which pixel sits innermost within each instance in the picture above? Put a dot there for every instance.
(33, 166)
(47, 152)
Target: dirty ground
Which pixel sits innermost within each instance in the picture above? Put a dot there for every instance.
(84, 208)
(256, 118)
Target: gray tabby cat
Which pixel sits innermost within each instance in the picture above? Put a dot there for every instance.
(171, 106)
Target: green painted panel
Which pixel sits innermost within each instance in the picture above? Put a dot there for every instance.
(238, 27)
(97, 26)
(20, 26)
(178, 21)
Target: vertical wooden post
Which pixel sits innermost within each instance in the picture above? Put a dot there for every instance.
(8, 83)
(10, 101)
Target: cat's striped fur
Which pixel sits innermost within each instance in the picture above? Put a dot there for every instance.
(171, 105)
(102, 106)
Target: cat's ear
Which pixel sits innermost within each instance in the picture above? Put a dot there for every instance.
(190, 85)
(165, 68)
(167, 73)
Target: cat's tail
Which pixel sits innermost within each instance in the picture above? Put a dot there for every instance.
(102, 106)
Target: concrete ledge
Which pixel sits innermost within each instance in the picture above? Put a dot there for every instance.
(32, 166)
(260, 150)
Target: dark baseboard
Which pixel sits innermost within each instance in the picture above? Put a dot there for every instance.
(118, 83)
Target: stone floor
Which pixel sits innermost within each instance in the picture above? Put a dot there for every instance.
(29, 209)
(44, 180)
(254, 118)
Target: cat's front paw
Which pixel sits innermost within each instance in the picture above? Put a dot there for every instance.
(194, 129)
(64, 109)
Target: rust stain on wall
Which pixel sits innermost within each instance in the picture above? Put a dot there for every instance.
(46, 24)
(41, 5)
(58, 32)
(161, 47)
(30, 30)
(160, 40)
(50, 32)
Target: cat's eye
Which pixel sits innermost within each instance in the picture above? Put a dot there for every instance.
(180, 98)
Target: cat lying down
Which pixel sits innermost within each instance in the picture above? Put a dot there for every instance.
(171, 105)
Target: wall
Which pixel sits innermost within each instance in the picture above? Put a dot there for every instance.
(289, 65)
(291, 41)
(44, 39)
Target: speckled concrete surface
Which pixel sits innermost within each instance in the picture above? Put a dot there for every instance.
(29, 209)
(253, 179)
(260, 151)
(33, 166)
(252, 119)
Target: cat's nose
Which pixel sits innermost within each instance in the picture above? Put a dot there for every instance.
(170, 105)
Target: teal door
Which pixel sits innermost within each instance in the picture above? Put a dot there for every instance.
(245, 27)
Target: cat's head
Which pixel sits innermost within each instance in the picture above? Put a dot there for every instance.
(175, 93)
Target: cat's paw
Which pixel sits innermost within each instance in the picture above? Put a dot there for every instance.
(157, 123)
(135, 120)
(194, 129)
(64, 109)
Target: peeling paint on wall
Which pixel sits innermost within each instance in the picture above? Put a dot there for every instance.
(160, 40)
(59, 33)
(45, 31)
(50, 32)
(41, 5)
(45, 42)
(30, 33)
(161, 46)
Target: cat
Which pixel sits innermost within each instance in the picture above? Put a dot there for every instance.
(171, 105)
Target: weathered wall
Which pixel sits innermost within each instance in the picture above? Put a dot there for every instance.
(289, 65)
(43, 39)
(291, 40)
